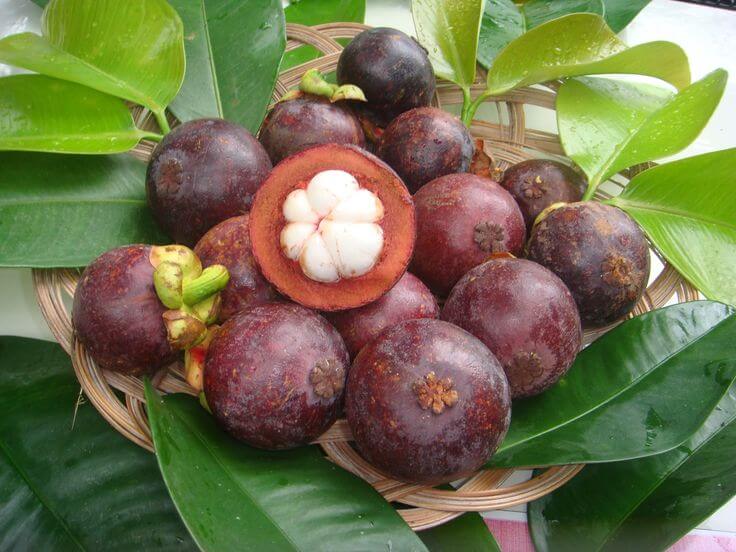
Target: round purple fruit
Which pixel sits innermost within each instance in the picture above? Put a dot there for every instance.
(424, 144)
(203, 172)
(525, 315)
(427, 402)
(599, 252)
(407, 300)
(275, 374)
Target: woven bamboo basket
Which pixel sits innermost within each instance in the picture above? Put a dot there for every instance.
(120, 400)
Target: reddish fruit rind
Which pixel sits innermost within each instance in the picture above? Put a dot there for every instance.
(525, 315)
(536, 184)
(424, 144)
(309, 120)
(427, 402)
(228, 244)
(462, 220)
(391, 68)
(203, 172)
(398, 224)
(407, 300)
(117, 315)
(275, 375)
(599, 252)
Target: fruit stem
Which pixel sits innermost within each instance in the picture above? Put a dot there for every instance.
(163, 123)
(213, 279)
(470, 107)
(153, 136)
(313, 82)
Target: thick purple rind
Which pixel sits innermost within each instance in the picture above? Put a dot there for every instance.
(228, 244)
(294, 125)
(392, 430)
(599, 252)
(426, 143)
(525, 315)
(203, 172)
(117, 315)
(257, 375)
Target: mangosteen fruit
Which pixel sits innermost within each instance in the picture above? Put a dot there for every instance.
(599, 252)
(332, 227)
(536, 184)
(426, 143)
(427, 402)
(393, 71)
(136, 306)
(203, 172)
(407, 300)
(525, 315)
(462, 221)
(275, 374)
(228, 244)
(310, 116)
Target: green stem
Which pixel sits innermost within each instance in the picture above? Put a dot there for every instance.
(213, 279)
(592, 187)
(153, 136)
(162, 122)
(470, 107)
(467, 101)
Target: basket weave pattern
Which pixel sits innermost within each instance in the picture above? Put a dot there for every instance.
(508, 142)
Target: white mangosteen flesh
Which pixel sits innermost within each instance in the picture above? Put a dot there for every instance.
(332, 227)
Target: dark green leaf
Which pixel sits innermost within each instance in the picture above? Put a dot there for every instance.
(133, 50)
(649, 503)
(619, 13)
(503, 21)
(39, 113)
(68, 480)
(234, 497)
(687, 209)
(233, 55)
(641, 389)
(608, 125)
(468, 533)
(65, 210)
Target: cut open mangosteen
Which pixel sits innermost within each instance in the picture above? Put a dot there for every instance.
(333, 227)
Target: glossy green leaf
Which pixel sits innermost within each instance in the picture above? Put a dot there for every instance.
(649, 503)
(316, 12)
(449, 29)
(39, 113)
(503, 21)
(233, 55)
(133, 50)
(641, 389)
(65, 210)
(468, 533)
(68, 480)
(607, 125)
(582, 44)
(234, 497)
(687, 209)
(619, 13)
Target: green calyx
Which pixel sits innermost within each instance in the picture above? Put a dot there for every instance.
(191, 293)
(313, 82)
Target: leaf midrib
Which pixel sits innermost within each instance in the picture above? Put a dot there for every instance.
(211, 57)
(623, 202)
(28, 202)
(41, 499)
(132, 133)
(633, 384)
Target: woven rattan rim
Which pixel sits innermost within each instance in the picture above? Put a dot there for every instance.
(120, 399)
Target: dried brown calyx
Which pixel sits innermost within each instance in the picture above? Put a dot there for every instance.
(435, 393)
(489, 237)
(534, 189)
(527, 367)
(620, 272)
(327, 378)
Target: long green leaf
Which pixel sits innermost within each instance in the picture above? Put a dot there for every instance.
(619, 13)
(468, 533)
(39, 113)
(582, 44)
(607, 125)
(133, 49)
(649, 503)
(234, 497)
(233, 55)
(65, 210)
(503, 21)
(449, 29)
(68, 480)
(641, 389)
(687, 210)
